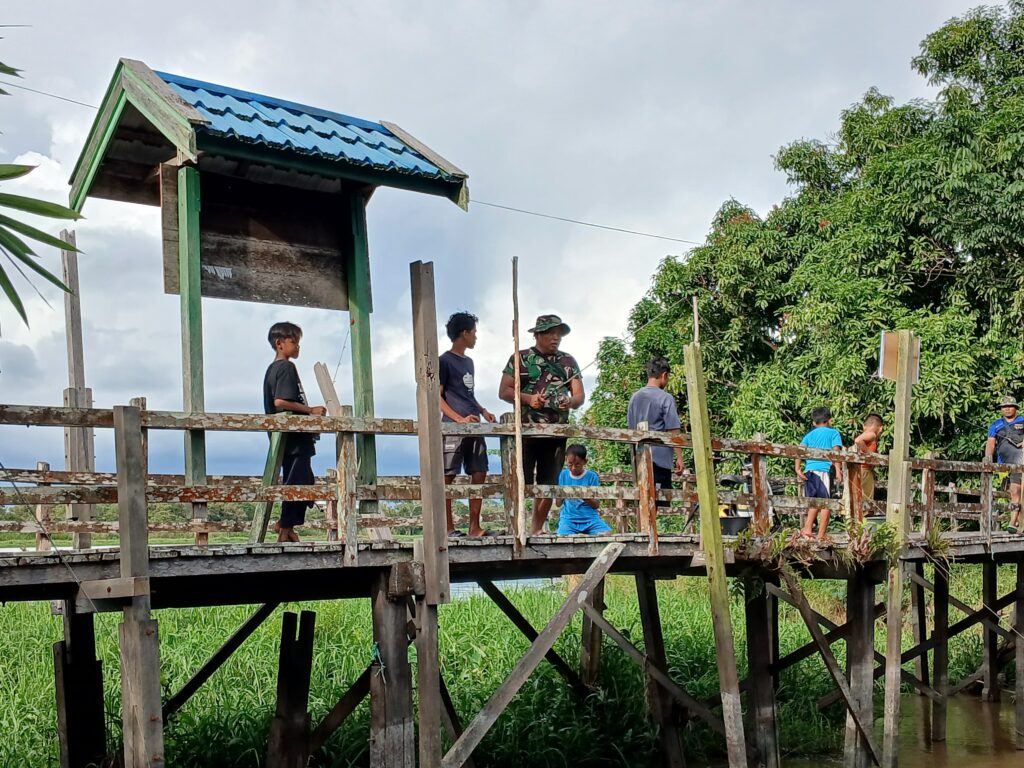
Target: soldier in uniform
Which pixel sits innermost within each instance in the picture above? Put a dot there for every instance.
(1006, 445)
(551, 386)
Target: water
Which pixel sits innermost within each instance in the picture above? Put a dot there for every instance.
(978, 735)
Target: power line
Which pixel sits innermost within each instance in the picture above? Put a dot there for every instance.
(45, 93)
(586, 223)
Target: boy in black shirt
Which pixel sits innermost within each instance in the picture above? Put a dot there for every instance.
(459, 404)
(282, 391)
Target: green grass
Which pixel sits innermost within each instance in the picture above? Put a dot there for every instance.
(225, 724)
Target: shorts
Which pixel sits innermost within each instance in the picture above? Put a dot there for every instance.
(1014, 478)
(591, 527)
(818, 485)
(464, 452)
(298, 470)
(662, 481)
(543, 458)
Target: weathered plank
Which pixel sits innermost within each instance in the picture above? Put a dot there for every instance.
(940, 656)
(348, 519)
(79, 456)
(590, 642)
(919, 620)
(478, 728)
(989, 638)
(392, 730)
(861, 612)
(289, 737)
(271, 473)
(764, 726)
(78, 677)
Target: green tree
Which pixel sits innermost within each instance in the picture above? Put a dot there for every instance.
(14, 232)
(913, 217)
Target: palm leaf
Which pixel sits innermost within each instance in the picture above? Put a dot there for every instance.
(15, 244)
(35, 234)
(9, 171)
(12, 295)
(9, 70)
(35, 266)
(37, 207)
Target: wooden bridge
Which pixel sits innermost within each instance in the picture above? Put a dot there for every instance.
(407, 564)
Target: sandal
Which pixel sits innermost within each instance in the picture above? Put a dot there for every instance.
(456, 534)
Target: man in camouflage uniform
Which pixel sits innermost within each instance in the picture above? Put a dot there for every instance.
(551, 386)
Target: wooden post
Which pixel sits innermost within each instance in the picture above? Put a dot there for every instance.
(190, 289)
(79, 451)
(289, 739)
(43, 543)
(940, 654)
(1018, 627)
(919, 622)
(590, 645)
(138, 639)
(860, 660)
(271, 474)
(989, 636)
(335, 409)
(896, 516)
(986, 502)
(392, 729)
(81, 724)
(646, 491)
(762, 490)
(357, 271)
(714, 556)
(348, 507)
(434, 547)
(759, 661)
(928, 496)
(520, 479)
(509, 477)
(665, 712)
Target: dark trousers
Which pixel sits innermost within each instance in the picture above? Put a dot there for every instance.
(662, 481)
(298, 470)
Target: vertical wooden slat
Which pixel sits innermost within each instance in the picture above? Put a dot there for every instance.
(509, 495)
(986, 502)
(940, 653)
(428, 685)
(928, 496)
(646, 492)
(79, 456)
(43, 515)
(761, 489)
(762, 692)
(989, 637)
(190, 288)
(72, 312)
(392, 731)
(288, 742)
(348, 508)
(271, 472)
(714, 556)
(860, 656)
(590, 642)
(665, 712)
(919, 622)
(896, 516)
(524, 526)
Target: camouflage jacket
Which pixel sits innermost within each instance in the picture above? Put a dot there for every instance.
(550, 374)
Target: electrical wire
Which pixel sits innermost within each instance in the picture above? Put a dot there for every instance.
(9, 84)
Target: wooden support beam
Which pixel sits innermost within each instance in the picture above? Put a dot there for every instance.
(763, 716)
(78, 675)
(897, 517)
(860, 654)
(190, 282)
(590, 642)
(991, 621)
(452, 723)
(853, 706)
(668, 715)
(428, 686)
(392, 728)
(346, 705)
(940, 656)
(477, 729)
(271, 474)
(348, 507)
(523, 624)
(43, 543)
(72, 311)
(79, 456)
(205, 672)
(711, 541)
(360, 305)
(919, 620)
(288, 743)
(989, 639)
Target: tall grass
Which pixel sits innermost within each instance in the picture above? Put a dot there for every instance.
(225, 724)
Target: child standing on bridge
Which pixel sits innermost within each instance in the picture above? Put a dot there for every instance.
(817, 480)
(282, 391)
(579, 516)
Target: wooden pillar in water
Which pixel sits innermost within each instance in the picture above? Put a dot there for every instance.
(897, 517)
(989, 637)
(714, 557)
(940, 654)
(665, 712)
(190, 289)
(760, 631)
(860, 664)
(392, 728)
(288, 741)
(142, 716)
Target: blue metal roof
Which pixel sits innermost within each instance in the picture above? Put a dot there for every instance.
(285, 125)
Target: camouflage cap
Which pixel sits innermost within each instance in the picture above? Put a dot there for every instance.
(547, 322)
(1008, 401)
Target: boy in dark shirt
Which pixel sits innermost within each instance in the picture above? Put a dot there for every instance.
(282, 391)
(459, 405)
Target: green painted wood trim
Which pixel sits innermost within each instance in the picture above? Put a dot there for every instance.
(100, 135)
(357, 268)
(261, 517)
(164, 117)
(193, 400)
(455, 190)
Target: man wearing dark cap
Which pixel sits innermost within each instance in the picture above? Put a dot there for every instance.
(551, 386)
(1006, 445)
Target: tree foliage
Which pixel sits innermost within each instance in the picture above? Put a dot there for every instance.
(911, 217)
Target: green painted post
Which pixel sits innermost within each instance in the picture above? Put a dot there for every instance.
(357, 272)
(714, 556)
(190, 280)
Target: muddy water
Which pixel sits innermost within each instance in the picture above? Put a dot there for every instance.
(978, 735)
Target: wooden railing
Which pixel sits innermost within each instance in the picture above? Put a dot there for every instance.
(958, 493)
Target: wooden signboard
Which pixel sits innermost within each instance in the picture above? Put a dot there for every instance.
(888, 357)
(260, 242)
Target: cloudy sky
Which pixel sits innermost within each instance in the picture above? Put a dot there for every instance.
(644, 115)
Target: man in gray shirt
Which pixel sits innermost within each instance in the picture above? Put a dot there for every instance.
(658, 408)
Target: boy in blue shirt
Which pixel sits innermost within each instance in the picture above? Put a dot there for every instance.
(1006, 444)
(817, 481)
(579, 516)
